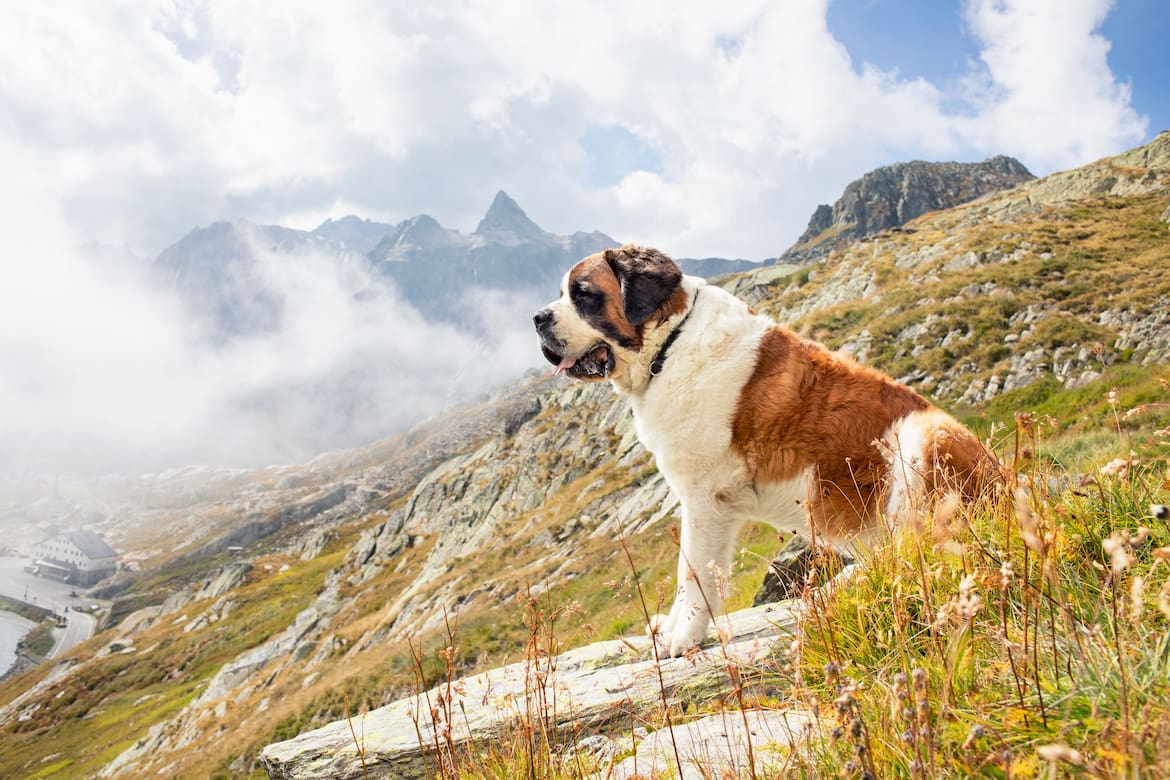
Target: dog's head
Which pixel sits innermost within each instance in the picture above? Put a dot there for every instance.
(609, 303)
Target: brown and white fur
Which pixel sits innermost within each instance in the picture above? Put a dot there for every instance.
(747, 420)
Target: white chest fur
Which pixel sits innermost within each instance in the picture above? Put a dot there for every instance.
(685, 414)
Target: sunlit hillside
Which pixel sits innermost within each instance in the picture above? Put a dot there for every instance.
(1048, 301)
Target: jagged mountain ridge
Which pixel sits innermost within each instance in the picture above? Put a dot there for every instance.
(895, 194)
(532, 492)
(436, 268)
(351, 233)
(215, 270)
(217, 273)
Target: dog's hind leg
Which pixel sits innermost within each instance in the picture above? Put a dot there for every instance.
(931, 455)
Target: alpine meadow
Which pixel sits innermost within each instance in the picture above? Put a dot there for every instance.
(470, 598)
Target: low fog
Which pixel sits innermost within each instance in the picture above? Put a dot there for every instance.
(105, 370)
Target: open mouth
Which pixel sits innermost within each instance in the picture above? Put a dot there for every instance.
(596, 363)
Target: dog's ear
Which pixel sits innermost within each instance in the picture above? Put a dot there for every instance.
(648, 279)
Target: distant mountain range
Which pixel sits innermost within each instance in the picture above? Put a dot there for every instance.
(217, 273)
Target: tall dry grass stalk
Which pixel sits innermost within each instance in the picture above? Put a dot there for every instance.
(1026, 634)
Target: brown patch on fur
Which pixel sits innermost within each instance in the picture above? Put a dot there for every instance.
(805, 406)
(677, 303)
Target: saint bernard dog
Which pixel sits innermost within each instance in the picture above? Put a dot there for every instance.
(748, 421)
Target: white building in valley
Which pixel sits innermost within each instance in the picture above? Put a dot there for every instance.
(75, 556)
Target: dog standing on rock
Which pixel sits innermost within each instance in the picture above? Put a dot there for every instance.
(748, 421)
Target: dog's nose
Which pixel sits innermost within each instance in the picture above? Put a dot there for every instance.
(542, 318)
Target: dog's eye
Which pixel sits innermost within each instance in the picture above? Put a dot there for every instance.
(586, 298)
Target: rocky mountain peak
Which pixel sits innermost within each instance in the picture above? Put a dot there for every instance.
(893, 195)
(435, 267)
(422, 231)
(353, 233)
(504, 215)
(1155, 155)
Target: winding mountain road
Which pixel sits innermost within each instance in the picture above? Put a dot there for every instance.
(80, 627)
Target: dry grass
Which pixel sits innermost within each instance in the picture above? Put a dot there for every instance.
(1027, 635)
(1106, 254)
(1005, 639)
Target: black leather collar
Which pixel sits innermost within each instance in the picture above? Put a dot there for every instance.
(660, 358)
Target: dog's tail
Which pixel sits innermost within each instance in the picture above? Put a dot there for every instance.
(958, 462)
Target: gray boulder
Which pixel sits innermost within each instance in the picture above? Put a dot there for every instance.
(580, 693)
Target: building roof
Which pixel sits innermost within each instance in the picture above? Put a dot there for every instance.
(91, 545)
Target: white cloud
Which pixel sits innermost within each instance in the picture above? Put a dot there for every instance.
(105, 372)
(130, 121)
(159, 115)
(1047, 91)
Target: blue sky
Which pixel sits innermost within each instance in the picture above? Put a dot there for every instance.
(1140, 56)
(928, 39)
(918, 38)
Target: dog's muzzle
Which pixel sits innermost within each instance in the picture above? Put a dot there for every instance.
(597, 362)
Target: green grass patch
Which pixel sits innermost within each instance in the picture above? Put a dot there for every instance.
(973, 646)
(39, 640)
(49, 770)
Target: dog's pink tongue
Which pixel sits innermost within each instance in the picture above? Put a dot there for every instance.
(564, 364)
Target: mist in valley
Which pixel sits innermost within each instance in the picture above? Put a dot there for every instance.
(110, 370)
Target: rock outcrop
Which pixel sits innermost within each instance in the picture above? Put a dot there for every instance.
(584, 697)
(891, 196)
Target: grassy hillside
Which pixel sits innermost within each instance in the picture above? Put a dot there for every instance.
(1003, 629)
(1064, 267)
(1022, 640)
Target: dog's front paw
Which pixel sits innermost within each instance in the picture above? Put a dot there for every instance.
(660, 629)
(673, 637)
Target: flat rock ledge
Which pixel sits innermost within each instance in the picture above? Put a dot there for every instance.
(589, 696)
